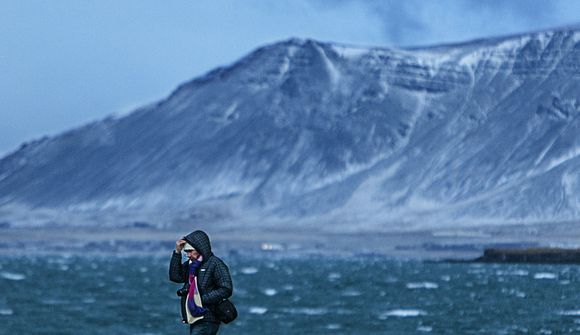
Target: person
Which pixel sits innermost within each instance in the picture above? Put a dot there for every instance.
(206, 279)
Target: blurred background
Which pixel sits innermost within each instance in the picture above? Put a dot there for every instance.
(66, 63)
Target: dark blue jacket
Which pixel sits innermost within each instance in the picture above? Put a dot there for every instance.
(213, 278)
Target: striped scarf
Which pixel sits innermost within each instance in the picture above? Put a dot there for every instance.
(195, 310)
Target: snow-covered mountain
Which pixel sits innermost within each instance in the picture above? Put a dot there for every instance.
(304, 132)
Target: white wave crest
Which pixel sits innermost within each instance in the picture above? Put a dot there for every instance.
(6, 311)
(425, 285)
(545, 275)
(306, 311)
(12, 276)
(258, 310)
(249, 271)
(270, 292)
(512, 273)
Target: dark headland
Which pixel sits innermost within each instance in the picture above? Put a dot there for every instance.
(530, 255)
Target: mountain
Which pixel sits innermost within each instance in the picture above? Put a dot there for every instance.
(319, 134)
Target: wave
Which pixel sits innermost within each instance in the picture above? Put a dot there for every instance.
(12, 276)
(403, 313)
(425, 285)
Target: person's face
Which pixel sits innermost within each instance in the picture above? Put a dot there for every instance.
(192, 254)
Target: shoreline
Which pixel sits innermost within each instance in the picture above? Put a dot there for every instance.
(422, 245)
(540, 255)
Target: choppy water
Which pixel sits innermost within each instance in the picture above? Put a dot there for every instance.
(317, 295)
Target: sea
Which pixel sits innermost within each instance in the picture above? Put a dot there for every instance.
(112, 294)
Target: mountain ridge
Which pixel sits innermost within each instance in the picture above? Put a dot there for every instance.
(317, 132)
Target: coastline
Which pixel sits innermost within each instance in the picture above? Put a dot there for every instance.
(544, 255)
(424, 245)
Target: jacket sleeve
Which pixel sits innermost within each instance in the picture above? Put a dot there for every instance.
(223, 285)
(177, 271)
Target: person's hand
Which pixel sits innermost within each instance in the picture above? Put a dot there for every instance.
(179, 244)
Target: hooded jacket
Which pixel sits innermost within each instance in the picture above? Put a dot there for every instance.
(213, 278)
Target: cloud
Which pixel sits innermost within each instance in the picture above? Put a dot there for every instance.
(423, 22)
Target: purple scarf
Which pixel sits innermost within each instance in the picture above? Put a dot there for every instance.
(194, 309)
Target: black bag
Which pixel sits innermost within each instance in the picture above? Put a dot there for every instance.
(225, 311)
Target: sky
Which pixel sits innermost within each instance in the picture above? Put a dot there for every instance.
(65, 63)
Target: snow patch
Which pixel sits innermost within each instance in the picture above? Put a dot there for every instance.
(544, 39)
(471, 60)
(571, 185)
(291, 51)
(350, 52)
(573, 153)
(285, 66)
(418, 203)
(330, 68)
(230, 110)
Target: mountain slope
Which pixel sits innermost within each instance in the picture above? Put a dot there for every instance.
(303, 131)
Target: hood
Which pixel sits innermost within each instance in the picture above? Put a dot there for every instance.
(200, 241)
